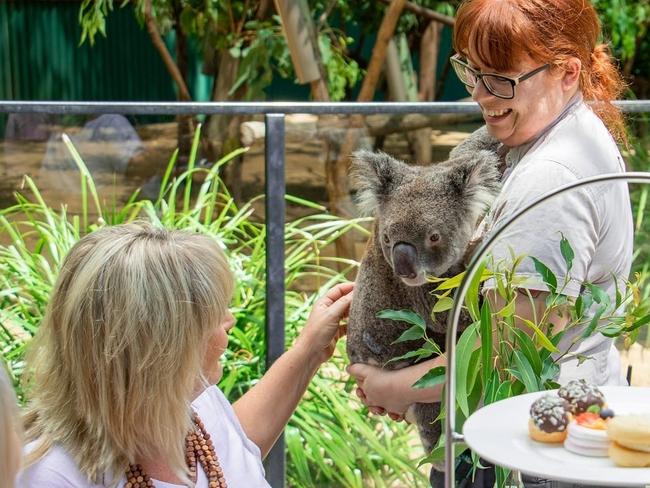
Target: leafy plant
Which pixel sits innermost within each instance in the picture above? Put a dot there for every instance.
(331, 440)
(496, 358)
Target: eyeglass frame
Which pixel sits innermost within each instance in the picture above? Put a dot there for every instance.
(456, 59)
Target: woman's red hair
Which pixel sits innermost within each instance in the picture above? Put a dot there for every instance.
(497, 33)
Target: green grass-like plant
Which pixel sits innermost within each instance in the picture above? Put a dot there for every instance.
(331, 441)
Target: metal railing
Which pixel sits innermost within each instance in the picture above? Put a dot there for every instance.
(274, 113)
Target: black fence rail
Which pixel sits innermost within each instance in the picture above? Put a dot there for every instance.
(274, 113)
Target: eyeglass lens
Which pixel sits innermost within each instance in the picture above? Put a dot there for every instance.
(498, 86)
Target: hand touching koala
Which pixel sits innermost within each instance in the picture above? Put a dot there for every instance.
(424, 220)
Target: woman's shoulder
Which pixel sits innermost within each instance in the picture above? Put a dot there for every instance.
(210, 398)
(582, 144)
(56, 469)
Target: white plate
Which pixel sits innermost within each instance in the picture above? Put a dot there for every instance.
(499, 433)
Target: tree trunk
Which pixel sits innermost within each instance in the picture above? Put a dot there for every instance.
(429, 48)
(222, 131)
(401, 83)
(337, 170)
(186, 124)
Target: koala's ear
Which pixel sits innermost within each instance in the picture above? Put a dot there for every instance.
(478, 179)
(375, 175)
(478, 140)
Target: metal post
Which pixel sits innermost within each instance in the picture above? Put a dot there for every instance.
(275, 216)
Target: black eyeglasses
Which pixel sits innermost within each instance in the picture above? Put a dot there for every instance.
(498, 85)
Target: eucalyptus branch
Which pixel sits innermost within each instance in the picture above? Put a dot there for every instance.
(428, 13)
(326, 13)
(172, 67)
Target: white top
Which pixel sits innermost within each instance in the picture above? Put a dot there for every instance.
(238, 456)
(596, 220)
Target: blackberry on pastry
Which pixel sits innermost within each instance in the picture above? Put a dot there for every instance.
(549, 417)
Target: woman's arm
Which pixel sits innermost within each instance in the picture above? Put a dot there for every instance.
(266, 408)
(386, 391)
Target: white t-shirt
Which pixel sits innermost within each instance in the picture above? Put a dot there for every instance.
(238, 456)
(596, 220)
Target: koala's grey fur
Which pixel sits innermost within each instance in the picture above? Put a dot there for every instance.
(411, 204)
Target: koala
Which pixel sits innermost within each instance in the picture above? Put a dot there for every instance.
(424, 221)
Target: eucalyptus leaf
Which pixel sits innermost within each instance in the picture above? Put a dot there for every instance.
(412, 334)
(464, 351)
(407, 316)
(503, 392)
(638, 323)
(527, 347)
(612, 330)
(486, 342)
(541, 337)
(550, 371)
(547, 275)
(509, 309)
(567, 252)
(593, 323)
(433, 377)
(443, 304)
(472, 296)
(599, 295)
(418, 354)
(528, 376)
(582, 358)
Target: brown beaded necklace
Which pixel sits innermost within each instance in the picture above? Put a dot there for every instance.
(198, 446)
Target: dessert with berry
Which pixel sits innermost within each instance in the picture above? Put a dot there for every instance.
(587, 434)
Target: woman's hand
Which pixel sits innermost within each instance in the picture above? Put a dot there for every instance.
(391, 391)
(381, 390)
(323, 328)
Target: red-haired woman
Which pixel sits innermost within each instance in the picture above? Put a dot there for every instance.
(545, 87)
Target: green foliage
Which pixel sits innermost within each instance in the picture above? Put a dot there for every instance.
(626, 23)
(232, 25)
(342, 72)
(235, 27)
(331, 439)
(496, 359)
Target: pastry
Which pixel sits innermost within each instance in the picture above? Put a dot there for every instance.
(587, 436)
(549, 417)
(631, 436)
(581, 395)
(630, 429)
(628, 458)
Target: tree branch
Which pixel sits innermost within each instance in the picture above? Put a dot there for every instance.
(172, 68)
(427, 13)
(384, 35)
(326, 13)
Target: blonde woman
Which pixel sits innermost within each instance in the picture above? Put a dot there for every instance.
(10, 445)
(122, 364)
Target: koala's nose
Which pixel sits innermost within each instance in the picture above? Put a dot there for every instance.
(405, 258)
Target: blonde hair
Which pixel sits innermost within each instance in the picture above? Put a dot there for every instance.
(10, 445)
(116, 361)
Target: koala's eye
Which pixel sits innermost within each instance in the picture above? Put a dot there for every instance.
(386, 239)
(435, 237)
